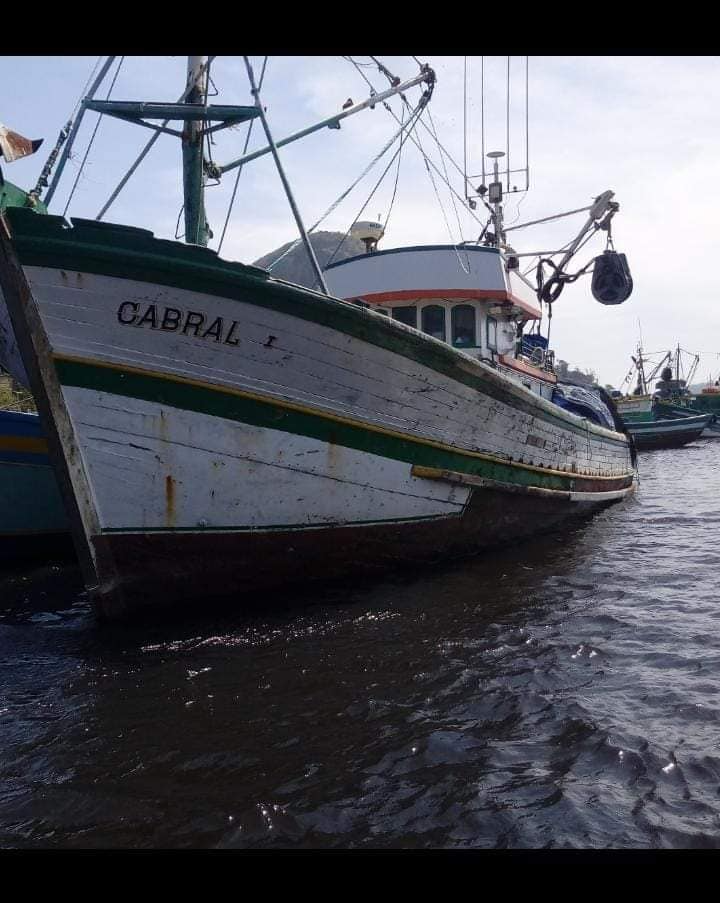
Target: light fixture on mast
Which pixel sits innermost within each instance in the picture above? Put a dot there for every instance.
(495, 196)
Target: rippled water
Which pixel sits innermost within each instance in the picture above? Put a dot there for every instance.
(564, 693)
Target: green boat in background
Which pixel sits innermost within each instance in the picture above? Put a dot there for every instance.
(653, 425)
(666, 419)
(676, 399)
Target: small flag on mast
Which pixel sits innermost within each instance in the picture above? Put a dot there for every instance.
(14, 146)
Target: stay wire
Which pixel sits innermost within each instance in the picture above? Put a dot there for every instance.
(416, 142)
(92, 139)
(342, 197)
(452, 199)
(409, 125)
(84, 91)
(240, 168)
(397, 177)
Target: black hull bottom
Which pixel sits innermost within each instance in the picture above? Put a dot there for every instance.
(159, 570)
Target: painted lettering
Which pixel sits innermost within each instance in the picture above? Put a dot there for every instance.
(133, 306)
(171, 319)
(214, 331)
(150, 316)
(174, 319)
(193, 320)
(231, 333)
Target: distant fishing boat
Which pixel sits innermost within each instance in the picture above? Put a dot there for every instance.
(666, 431)
(653, 422)
(674, 397)
(220, 431)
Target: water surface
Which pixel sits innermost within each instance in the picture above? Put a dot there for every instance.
(564, 692)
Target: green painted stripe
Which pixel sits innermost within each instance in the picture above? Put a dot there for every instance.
(264, 413)
(126, 253)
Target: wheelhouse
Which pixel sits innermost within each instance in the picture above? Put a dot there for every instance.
(468, 296)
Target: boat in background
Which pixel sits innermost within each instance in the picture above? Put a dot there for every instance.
(219, 431)
(675, 398)
(33, 522)
(668, 430)
(652, 420)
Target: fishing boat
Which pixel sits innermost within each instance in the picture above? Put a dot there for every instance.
(219, 431)
(652, 420)
(674, 397)
(33, 522)
(669, 430)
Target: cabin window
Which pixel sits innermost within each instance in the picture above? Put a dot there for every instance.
(406, 315)
(433, 321)
(492, 333)
(463, 326)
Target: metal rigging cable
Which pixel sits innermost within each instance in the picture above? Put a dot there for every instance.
(240, 168)
(416, 141)
(92, 138)
(397, 177)
(442, 160)
(405, 127)
(433, 133)
(408, 126)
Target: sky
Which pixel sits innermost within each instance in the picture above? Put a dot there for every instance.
(644, 127)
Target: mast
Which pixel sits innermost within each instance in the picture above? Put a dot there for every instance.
(495, 196)
(196, 227)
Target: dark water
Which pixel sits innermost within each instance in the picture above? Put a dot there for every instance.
(565, 693)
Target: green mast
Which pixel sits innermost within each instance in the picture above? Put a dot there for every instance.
(193, 136)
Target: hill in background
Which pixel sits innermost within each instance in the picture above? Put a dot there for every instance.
(297, 268)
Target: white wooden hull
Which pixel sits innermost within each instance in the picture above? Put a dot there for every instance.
(277, 411)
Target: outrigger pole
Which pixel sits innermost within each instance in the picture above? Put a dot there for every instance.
(74, 129)
(332, 122)
(196, 115)
(286, 185)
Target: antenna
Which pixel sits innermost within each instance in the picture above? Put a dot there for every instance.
(508, 171)
(495, 196)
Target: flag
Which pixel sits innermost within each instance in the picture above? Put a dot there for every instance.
(14, 146)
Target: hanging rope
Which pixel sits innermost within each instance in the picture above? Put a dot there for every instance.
(405, 127)
(416, 141)
(550, 291)
(409, 125)
(466, 269)
(240, 168)
(92, 139)
(397, 178)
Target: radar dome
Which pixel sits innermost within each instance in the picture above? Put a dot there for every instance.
(369, 233)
